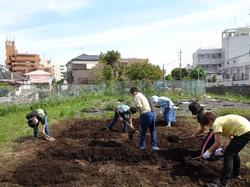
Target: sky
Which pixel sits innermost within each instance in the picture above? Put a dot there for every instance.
(155, 29)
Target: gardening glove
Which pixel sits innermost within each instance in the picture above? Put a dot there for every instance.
(207, 154)
(219, 152)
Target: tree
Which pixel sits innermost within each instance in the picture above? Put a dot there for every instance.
(169, 77)
(179, 73)
(110, 58)
(97, 73)
(197, 73)
(142, 71)
(107, 73)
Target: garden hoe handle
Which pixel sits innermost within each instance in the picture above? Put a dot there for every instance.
(131, 126)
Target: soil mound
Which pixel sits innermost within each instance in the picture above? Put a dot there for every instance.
(85, 153)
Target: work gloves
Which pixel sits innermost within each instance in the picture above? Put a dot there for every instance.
(218, 152)
(207, 154)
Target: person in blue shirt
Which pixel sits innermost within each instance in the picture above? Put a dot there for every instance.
(123, 113)
(167, 108)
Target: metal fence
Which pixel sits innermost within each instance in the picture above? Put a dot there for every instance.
(30, 93)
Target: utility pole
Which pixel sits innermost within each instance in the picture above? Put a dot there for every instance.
(180, 52)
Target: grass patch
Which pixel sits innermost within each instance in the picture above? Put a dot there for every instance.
(231, 97)
(238, 111)
(13, 123)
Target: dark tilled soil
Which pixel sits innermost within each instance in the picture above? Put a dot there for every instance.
(86, 154)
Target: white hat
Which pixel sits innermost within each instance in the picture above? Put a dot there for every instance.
(155, 99)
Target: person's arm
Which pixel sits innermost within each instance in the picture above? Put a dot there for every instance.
(200, 131)
(138, 103)
(216, 144)
(228, 142)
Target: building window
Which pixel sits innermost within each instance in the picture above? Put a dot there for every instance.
(233, 78)
(242, 76)
(234, 61)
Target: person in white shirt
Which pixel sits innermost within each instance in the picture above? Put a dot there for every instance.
(147, 119)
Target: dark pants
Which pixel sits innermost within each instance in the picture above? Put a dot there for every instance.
(114, 121)
(147, 120)
(36, 129)
(231, 157)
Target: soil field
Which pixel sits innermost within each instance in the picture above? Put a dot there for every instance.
(84, 154)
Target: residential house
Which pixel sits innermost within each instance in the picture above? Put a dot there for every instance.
(79, 69)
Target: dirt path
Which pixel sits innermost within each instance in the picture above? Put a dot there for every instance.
(86, 155)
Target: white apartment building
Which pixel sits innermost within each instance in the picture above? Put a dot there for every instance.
(236, 54)
(210, 60)
(58, 71)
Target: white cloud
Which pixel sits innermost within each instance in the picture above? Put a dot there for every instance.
(159, 41)
(15, 12)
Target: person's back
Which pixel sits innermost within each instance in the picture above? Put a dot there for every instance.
(164, 101)
(142, 103)
(34, 118)
(231, 125)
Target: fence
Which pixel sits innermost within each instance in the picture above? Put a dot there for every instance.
(30, 93)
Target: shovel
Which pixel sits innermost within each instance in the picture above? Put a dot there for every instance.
(47, 137)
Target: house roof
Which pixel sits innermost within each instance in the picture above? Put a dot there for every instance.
(38, 72)
(85, 57)
(6, 76)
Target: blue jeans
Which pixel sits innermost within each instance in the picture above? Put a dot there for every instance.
(36, 129)
(115, 120)
(147, 120)
(169, 115)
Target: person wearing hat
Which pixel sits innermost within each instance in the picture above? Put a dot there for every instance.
(167, 107)
(237, 129)
(36, 117)
(123, 113)
(147, 119)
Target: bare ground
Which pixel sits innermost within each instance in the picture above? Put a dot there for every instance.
(84, 154)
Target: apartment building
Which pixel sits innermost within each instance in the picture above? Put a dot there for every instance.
(22, 63)
(128, 61)
(209, 59)
(236, 54)
(58, 71)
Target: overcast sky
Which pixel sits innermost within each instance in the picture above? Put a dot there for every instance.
(154, 29)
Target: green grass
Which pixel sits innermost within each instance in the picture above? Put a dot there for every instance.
(238, 111)
(231, 97)
(13, 123)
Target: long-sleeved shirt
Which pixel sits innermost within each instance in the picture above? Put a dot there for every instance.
(142, 103)
(163, 102)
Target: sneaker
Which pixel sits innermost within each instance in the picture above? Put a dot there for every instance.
(155, 148)
(239, 177)
(216, 183)
(142, 147)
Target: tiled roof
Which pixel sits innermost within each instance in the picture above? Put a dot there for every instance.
(6, 75)
(85, 57)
